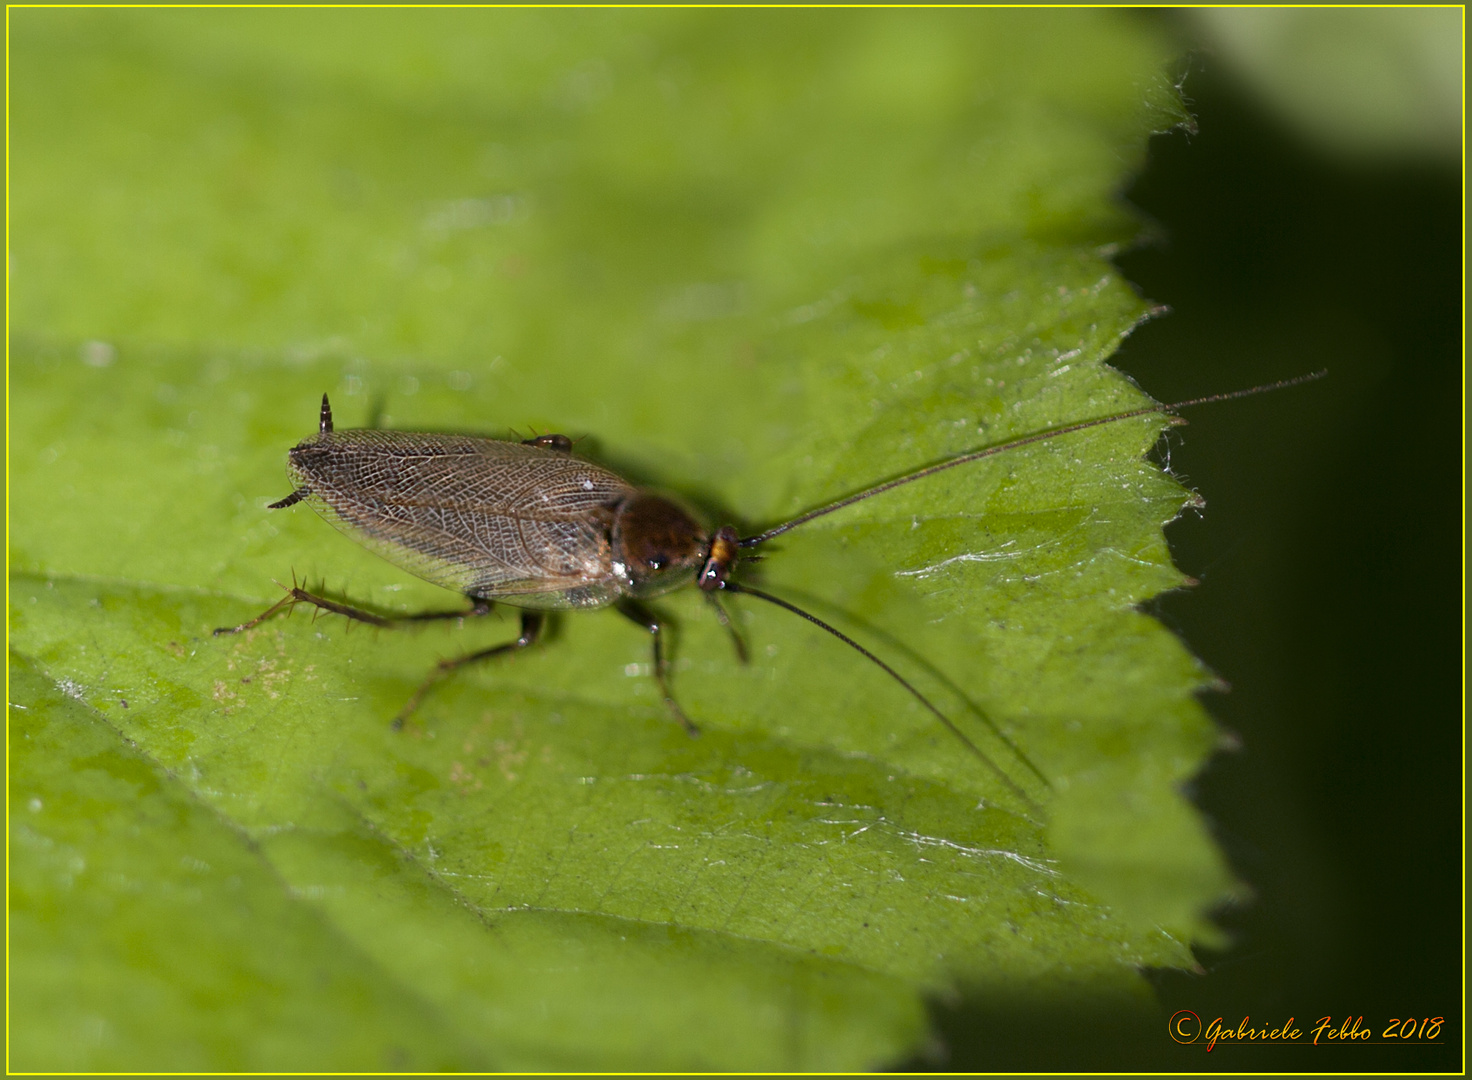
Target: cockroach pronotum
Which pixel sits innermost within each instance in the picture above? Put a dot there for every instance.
(529, 525)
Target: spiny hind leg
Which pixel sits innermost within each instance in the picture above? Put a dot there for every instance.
(640, 615)
(297, 595)
(531, 630)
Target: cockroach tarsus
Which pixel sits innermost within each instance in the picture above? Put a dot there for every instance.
(529, 525)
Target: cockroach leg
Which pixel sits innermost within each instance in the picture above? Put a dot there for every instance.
(478, 606)
(531, 629)
(290, 600)
(297, 595)
(637, 613)
(737, 641)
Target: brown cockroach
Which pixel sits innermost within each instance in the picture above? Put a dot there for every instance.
(529, 525)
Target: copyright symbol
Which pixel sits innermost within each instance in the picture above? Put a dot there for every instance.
(1185, 1026)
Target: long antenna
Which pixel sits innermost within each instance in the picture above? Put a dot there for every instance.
(982, 756)
(1027, 440)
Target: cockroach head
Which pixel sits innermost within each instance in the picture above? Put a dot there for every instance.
(719, 559)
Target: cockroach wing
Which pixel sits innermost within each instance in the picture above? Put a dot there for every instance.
(501, 520)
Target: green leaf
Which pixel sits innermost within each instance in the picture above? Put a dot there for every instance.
(759, 258)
